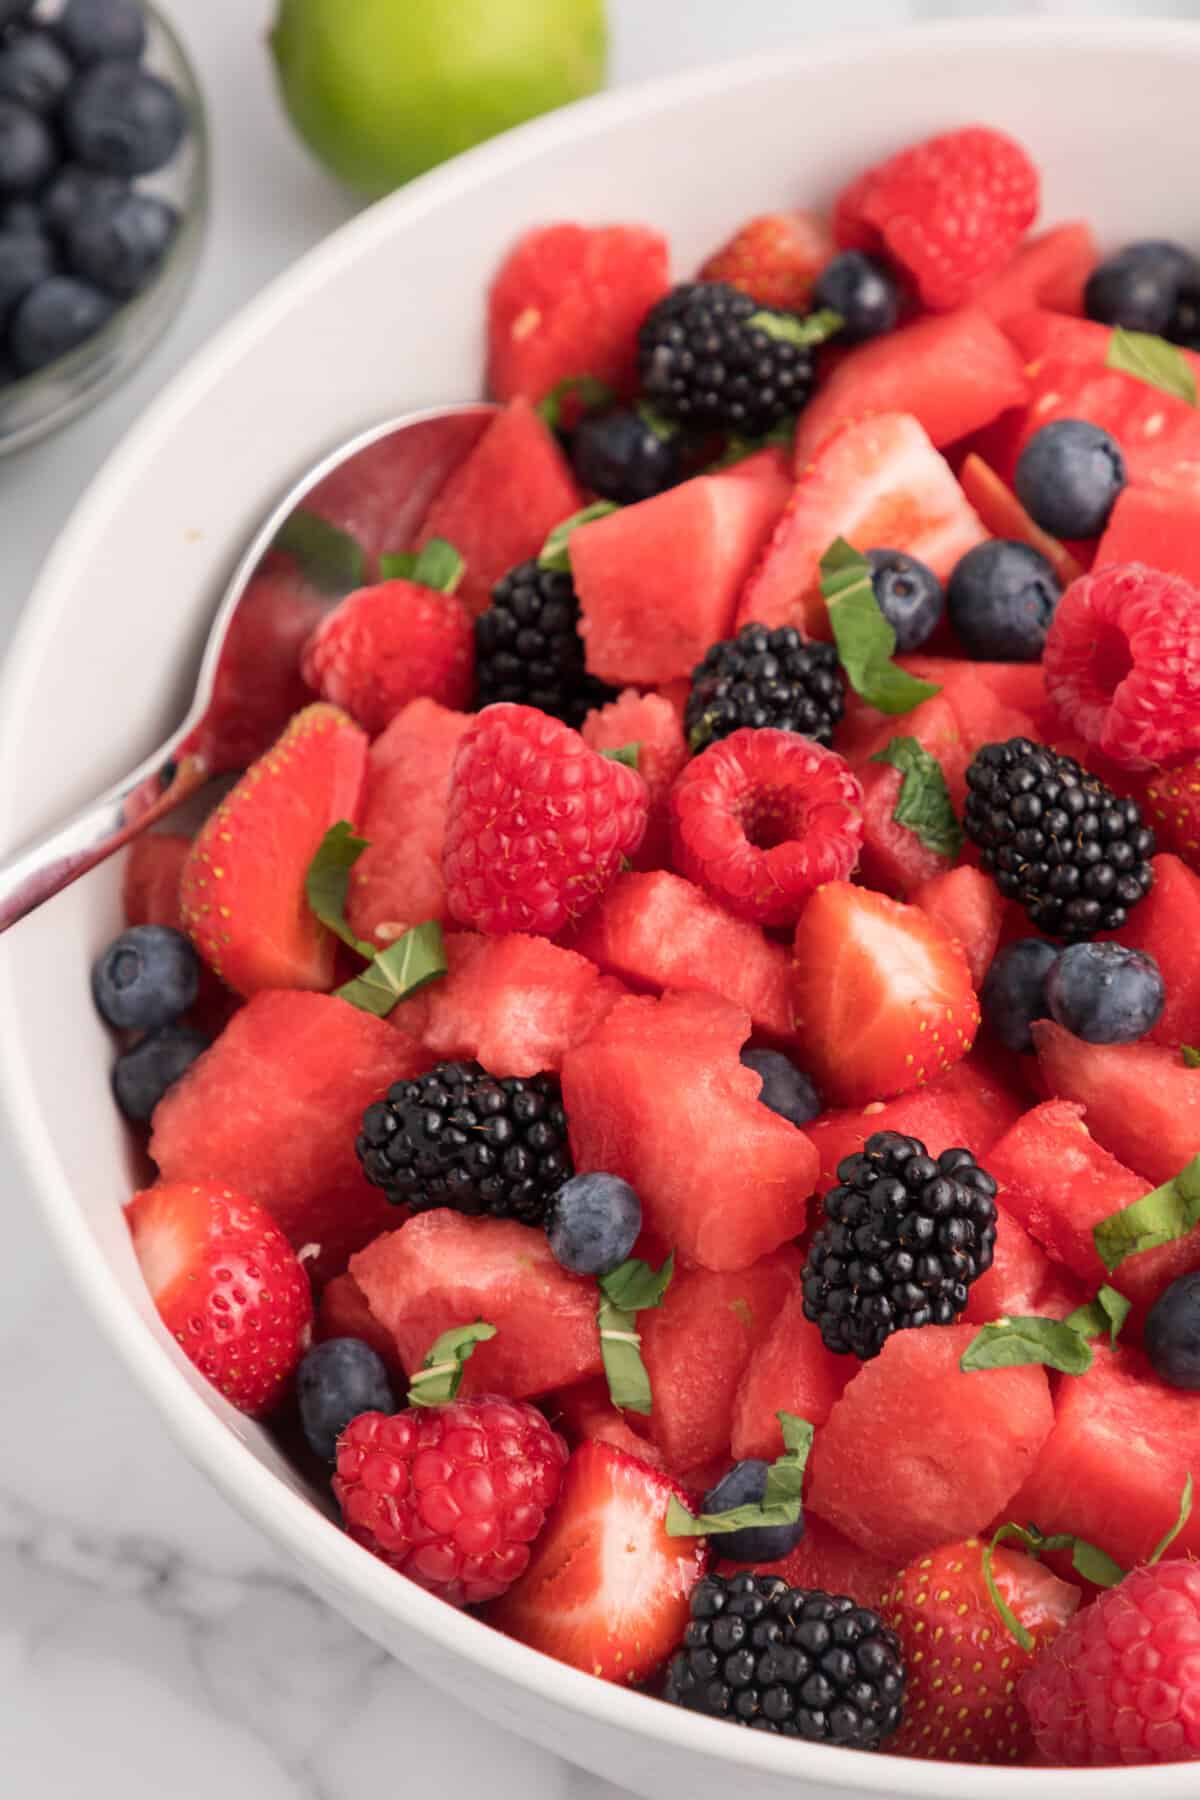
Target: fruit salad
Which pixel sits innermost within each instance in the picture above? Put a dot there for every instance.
(684, 1032)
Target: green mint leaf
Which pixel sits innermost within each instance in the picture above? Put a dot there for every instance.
(924, 802)
(440, 1375)
(1012, 1624)
(1096, 1566)
(626, 1291)
(780, 1504)
(1106, 1313)
(737, 449)
(398, 565)
(629, 754)
(418, 957)
(1191, 1056)
(790, 328)
(331, 559)
(436, 565)
(1185, 1513)
(328, 882)
(593, 394)
(664, 429)
(1017, 1343)
(555, 552)
(864, 639)
(634, 1286)
(1152, 360)
(1159, 1217)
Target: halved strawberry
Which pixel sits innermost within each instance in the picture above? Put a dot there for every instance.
(1174, 810)
(883, 996)
(242, 889)
(1005, 517)
(775, 257)
(607, 1589)
(878, 483)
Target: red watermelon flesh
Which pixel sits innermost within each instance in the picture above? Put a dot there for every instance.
(659, 931)
(397, 881)
(1166, 925)
(829, 1562)
(970, 907)
(985, 713)
(1157, 526)
(893, 858)
(658, 582)
(1005, 517)
(272, 1110)
(790, 1371)
(343, 1312)
(584, 1411)
(1023, 1282)
(954, 373)
(500, 505)
(1114, 1466)
(258, 684)
(658, 1095)
(696, 1346)
(1158, 434)
(1049, 270)
(442, 1269)
(652, 723)
(516, 1004)
(770, 471)
(1042, 332)
(1141, 1100)
(150, 888)
(917, 1454)
(568, 300)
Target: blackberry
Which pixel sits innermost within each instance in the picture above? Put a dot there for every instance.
(528, 648)
(1076, 855)
(476, 1142)
(795, 1661)
(704, 363)
(904, 1238)
(764, 677)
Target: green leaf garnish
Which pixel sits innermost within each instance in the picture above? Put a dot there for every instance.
(1152, 360)
(790, 328)
(555, 552)
(629, 754)
(924, 801)
(392, 975)
(1191, 1056)
(1094, 1565)
(865, 641)
(664, 429)
(1017, 1343)
(331, 559)
(1185, 1513)
(593, 394)
(780, 1504)
(440, 1375)
(1106, 1313)
(625, 1292)
(327, 882)
(1159, 1217)
(737, 449)
(436, 565)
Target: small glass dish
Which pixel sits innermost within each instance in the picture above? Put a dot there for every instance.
(37, 404)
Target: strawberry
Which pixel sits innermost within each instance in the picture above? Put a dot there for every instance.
(607, 1589)
(1173, 809)
(775, 258)
(228, 1287)
(383, 646)
(963, 1663)
(882, 995)
(242, 890)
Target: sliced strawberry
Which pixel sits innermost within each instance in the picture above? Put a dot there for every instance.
(607, 1589)
(1005, 517)
(1174, 810)
(775, 257)
(242, 890)
(883, 995)
(881, 485)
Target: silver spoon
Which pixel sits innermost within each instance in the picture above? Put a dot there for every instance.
(437, 440)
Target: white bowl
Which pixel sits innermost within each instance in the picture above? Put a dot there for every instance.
(384, 317)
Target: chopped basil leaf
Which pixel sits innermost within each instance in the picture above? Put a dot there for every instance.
(331, 559)
(1152, 360)
(327, 882)
(780, 1504)
(628, 754)
(1185, 1513)
(1017, 1343)
(624, 1292)
(790, 328)
(555, 552)
(440, 1375)
(1159, 1217)
(392, 975)
(436, 565)
(864, 639)
(593, 395)
(924, 801)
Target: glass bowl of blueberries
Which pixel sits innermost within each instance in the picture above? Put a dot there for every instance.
(103, 200)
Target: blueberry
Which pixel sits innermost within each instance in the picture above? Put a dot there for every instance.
(54, 317)
(745, 1484)
(1171, 1337)
(1068, 477)
(74, 191)
(23, 217)
(785, 1088)
(122, 121)
(1013, 994)
(593, 1222)
(119, 244)
(1001, 598)
(34, 71)
(142, 1075)
(863, 290)
(146, 977)
(93, 30)
(12, 10)
(909, 594)
(24, 261)
(620, 458)
(1105, 993)
(1139, 286)
(335, 1382)
(28, 152)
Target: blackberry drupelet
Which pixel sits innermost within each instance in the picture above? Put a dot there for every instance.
(704, 363)
(904, 1238)
(1054, 837)
(462, 1138)
(789, 1660)
(528, 648)
(765, 677)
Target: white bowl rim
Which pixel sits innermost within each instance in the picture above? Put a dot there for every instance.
(249, 1485)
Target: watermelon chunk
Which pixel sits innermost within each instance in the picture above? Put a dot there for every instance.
(658, 1095)
(696, 1346)
(658, 582)
(1166, 924)
(893, 858)
(1023, 1282)
(656, 726)
(150, 888)
(1159, 435)
(272, 1110)
(659, 931)
(1042, 332)
(790, 1371)
(500, 505)
(1049, 270)
(1142, 1102)
(442, 1269)
(900, 1492)
(1157, 526)
(826, 1560)
(970, 908)
(584, 1411)
(1005, 517)
(343, 1312)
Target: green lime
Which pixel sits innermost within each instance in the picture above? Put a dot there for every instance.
(382, 89)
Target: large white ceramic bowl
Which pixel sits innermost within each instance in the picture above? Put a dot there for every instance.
(383, 317)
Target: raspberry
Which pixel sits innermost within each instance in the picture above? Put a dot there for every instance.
(536, 823)
(451, 1496)
(763, 817)
(1122, 1683)
(1173, 809)
(950, 211)
(774, 258)
(1122, 663)
(386, 645)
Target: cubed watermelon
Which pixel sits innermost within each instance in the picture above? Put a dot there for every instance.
(893, 858)
(658, 1095)
(982, 697)
(1166, 925)
(442, 1269)
(1005, 517)
(826, 1560)
(343, 1312)
(1141, 1100)
(917, 1454)
(1159, 435)
(1157, 526)
(150, 885)
(1023, 1282)
(1049, 270)
(968, 906)
(790, 1371)
(652, 723)
(1043, 332)
(585, 1411)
